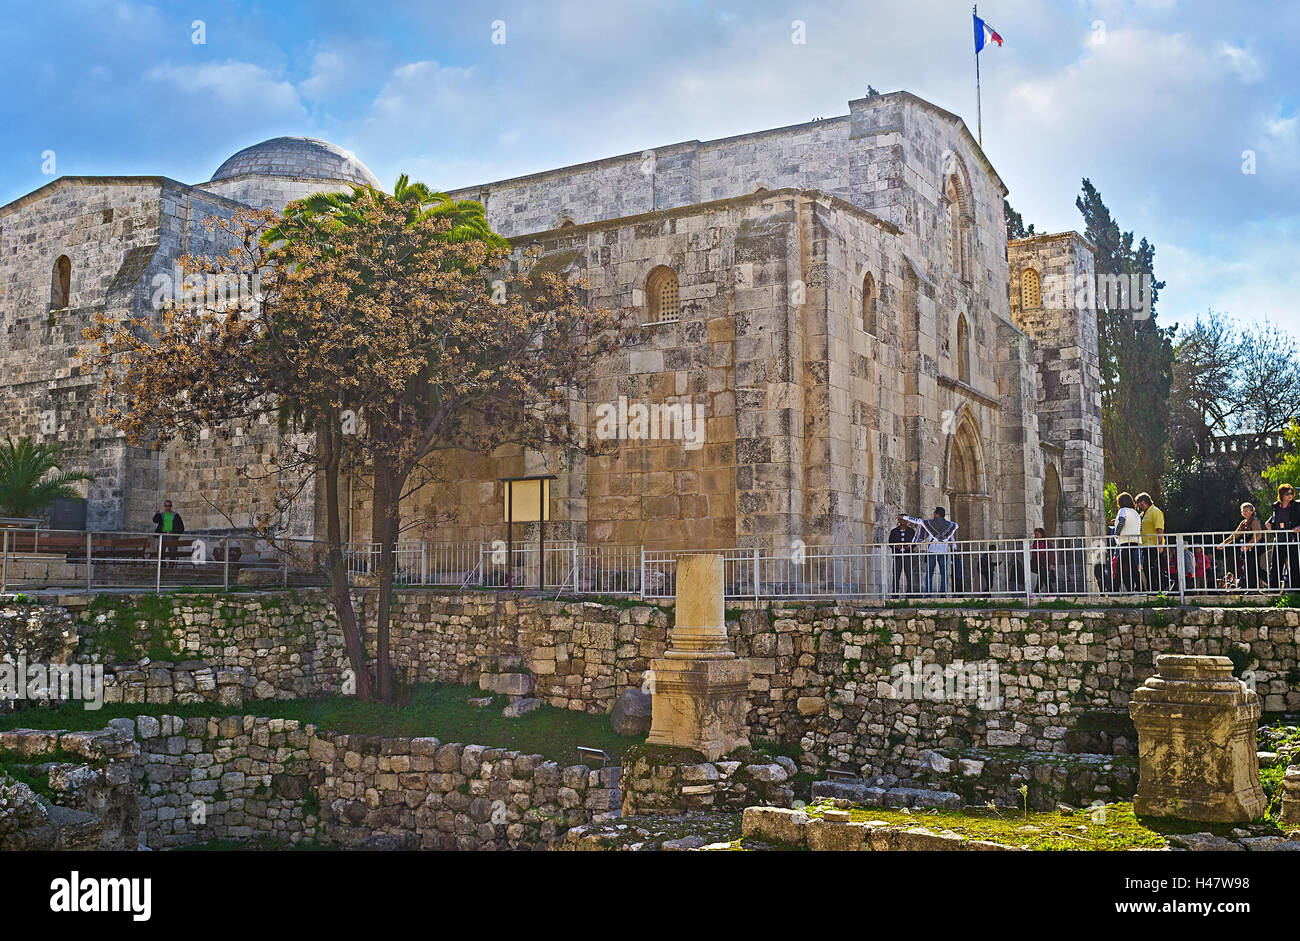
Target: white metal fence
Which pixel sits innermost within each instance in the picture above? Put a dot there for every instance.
(1182, 565)
(1178, 564)
(36, 558)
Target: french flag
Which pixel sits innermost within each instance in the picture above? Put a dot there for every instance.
(984, 32)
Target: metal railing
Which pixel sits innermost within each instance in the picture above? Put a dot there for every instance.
(34, 558)
(1180, 564)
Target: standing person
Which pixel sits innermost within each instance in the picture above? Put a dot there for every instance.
(938, 533)
(1042, 561)
(1200, 571)
(901, 538)
(1100, 559)
(1128, 542)
(170, 523)
(989, 569)
(1153, 543)
(1251, 551)
(1286, 520)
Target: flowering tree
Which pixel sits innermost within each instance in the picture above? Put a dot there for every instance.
(389, 330)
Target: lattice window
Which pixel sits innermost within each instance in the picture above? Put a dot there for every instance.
(663, 301)
(1031, 290)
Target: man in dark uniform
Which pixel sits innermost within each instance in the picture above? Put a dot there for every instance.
(901, 538)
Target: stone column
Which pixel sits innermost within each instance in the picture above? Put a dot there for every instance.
(1196, 742)
(700, 690)
(1290, 815)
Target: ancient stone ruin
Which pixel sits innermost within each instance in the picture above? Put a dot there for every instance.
(699, 687)
(1196, 742)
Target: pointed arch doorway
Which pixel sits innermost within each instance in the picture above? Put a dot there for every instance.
(966, 486)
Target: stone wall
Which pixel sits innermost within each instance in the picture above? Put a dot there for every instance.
(581, 654)
(665, 780)
(821, 673)
(236, 778)
(249, 777)
(421, 794)
(93, 796)
(187, 682)
(822, 676)
(41, 633)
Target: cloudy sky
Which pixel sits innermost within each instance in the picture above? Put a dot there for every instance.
(1156, 101)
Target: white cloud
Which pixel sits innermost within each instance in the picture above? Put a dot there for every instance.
(233, 86)
(338, 70)
(1240, 61)
(328, 74)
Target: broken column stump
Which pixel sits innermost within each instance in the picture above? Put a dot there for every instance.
(1196, 742)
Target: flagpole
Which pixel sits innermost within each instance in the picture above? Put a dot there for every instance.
(979, 116)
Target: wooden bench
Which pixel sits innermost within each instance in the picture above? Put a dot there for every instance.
(104, 547)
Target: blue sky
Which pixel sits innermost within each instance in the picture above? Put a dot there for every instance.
(1154, 100)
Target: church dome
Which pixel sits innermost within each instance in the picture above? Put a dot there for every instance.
(302, 157)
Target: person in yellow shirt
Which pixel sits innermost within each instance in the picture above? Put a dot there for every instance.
(1153, 543)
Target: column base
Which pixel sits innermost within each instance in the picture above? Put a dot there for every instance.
(700, 704)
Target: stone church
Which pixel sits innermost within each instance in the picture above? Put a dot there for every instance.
(836, 301)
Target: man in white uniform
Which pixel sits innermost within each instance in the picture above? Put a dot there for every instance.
(937, 534)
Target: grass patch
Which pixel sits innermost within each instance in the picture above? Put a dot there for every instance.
(22, 768)
(433, 709)
(1121, 829)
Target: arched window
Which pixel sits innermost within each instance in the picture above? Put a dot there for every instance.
(869, 304)
(960, 221)
(963, 349)
(662, 302)
(61, 283)
(954, 223)
(1031, 290)
(567, 223)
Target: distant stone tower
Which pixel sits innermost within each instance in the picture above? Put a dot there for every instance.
(1052, 300)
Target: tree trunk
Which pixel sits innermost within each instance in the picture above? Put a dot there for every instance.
(384, 525)
(338, 569)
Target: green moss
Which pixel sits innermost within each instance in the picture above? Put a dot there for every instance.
(1241, 658)
(134, 626)
(311, 803)
(1119, 829)
(438, 710)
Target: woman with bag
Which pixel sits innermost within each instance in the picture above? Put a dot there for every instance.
(1128, 542)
